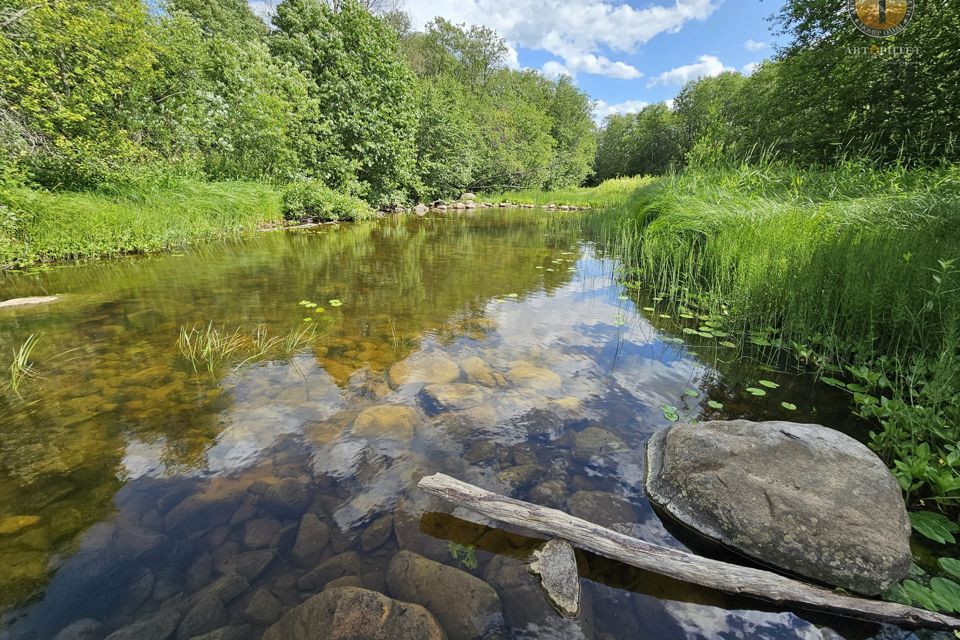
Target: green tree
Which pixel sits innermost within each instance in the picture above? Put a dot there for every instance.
(574, 134)
(364, 126)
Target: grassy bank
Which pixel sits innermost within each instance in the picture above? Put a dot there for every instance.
(41, 226)
(853, 270)
(611, 193)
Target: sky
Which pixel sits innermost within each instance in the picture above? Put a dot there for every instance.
(623, 54)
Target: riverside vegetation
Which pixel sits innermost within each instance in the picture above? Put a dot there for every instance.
(136, 126)
(774, 222)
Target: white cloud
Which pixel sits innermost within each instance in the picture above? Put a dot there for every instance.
(705, 66)
(602, 109)
(554, 69)
(671, 103)
(753, 45)
(749, 68)
(576, 31)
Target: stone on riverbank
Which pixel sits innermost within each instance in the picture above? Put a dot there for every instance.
(556, 565)
(803, 498)
(350, 612)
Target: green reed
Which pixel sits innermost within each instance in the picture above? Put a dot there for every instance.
(211, 349)
(21, 369)
(854, 269)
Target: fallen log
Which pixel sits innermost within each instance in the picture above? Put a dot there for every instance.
(679, 565)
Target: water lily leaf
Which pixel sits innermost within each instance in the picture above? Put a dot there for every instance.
(665, 316)
(950, 565)
(719, 334)
(693, 393)
(538, 267)
(670, 412)
(308, 319)
(760, 342)
(756, 392)
(789, 406)
(690, 331)
(713, 404)
(319, 310)
(649, 309)
(769, 384)
(948, 593)
(706, 329)
(857, 388)
(688, 316)
(704, 334)
(548, 269)
(728, 344)
(335, 302)
(935, 526)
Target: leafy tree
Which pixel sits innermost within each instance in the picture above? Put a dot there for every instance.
(364, 126)
(231, 19)
(574, 134)
(447, 139)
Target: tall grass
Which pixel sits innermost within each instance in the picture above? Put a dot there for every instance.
(65, 225)
(610, 193)
(856, 269)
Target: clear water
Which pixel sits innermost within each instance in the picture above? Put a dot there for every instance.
(128, 483)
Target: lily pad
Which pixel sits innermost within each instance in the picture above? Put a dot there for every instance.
(728, 344)
(670, 412)
(769, 384)
(335, 303)
(713, 404)
(833, 382)
(691, 393)
(756, 392)
(789, 406)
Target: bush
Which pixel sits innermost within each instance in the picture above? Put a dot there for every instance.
(310, 199)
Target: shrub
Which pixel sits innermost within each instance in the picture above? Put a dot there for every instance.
(310, 199)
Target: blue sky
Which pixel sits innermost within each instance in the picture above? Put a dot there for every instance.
(623, 54)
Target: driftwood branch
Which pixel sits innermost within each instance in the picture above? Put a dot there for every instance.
(679, 565)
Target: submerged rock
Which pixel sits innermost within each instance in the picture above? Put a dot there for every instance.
(312, 537)
(602, 508)
(85, 629)
(386, 421)
(159, 627)
(477, 372)
(594, 441)
(438, 398)
(524, 374)
(467, 607)
(350, 613)
(803, 498)
(556, 565)
(347, 563)
(431, 369)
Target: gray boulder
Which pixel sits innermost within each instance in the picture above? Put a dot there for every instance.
(350, 613)
(466, 606)
(803, 498)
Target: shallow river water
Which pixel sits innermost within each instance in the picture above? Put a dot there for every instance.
(133, 489)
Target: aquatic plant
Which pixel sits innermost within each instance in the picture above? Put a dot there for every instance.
(211, 349)
(21, 369)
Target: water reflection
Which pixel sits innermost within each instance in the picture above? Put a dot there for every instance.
(494, 347)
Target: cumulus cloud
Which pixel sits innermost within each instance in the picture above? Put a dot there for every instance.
(576, 31)
(705, 66)
(753, 45)
(602, 109)
(749, 68)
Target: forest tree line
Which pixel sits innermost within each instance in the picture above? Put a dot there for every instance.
(95, 94)
(830, 93)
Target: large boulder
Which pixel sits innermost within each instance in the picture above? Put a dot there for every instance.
(466, 606)
(386, 421)
(803, 498)
(350, 613)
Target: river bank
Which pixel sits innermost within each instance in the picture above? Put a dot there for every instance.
(851, 271)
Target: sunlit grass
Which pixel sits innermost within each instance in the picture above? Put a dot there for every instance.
(615, 192)
(65, 226)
